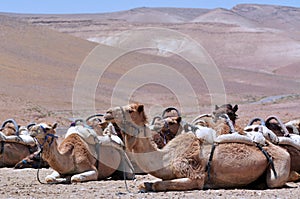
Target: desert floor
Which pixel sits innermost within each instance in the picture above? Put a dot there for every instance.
(24, 184)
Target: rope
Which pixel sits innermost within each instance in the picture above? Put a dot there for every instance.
(39, 167)
(269, 158)
(208, 166)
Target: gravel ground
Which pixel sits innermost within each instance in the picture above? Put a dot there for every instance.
(24, 184)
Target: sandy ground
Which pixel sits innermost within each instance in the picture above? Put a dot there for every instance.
(24, 184)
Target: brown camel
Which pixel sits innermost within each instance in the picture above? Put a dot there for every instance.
(181, 164)
(12, 148)
(12, 152)
(33, 160)
(213, 120)
(74, 160)
(277, 126)
(164, 130)
(206, 126)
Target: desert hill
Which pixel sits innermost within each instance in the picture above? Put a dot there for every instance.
(256, 48)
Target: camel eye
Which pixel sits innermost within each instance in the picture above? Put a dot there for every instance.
(130, 111)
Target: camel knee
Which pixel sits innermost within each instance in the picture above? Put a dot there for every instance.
(85, 176)
(282, 169)
(53, 178)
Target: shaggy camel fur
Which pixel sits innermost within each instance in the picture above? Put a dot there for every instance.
(72, 160)
(182, 162)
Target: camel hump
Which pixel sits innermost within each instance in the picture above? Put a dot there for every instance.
(293, 140)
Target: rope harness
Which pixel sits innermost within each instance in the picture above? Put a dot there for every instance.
(136, 133)
(41, 146)
(232, 130)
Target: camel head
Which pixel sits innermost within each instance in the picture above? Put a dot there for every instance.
(131, 120)
(43, 133)
(171, 127)
(226, 109)
(166, 129)
(133, 113)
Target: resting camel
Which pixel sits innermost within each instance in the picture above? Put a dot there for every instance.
(206, 126)
(212, 120)
(288, 141)
(75, 160)
(164, 130)
(14, 147)
(34, 160)
(181, 164)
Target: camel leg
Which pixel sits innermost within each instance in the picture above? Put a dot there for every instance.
(85, 176)
(294, 176)
(182, 184)
(282, 164)
(55, 177)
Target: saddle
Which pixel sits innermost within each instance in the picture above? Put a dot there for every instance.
(26, 140)
(292, 140)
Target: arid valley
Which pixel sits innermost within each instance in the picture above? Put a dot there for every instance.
(56, 68)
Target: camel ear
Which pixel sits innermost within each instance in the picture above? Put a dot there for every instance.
(140, 108)
(235, 108)
(178, 120)
(216, 107)
(54, 125)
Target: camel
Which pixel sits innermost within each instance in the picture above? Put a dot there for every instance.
(182, 163)
(14, 147)
(206, 126)
(212, 120)
(164, 130)
(33, 160)
(288, 141)
(75, 160)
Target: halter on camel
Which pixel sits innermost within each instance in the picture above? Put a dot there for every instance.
(136, 129)
(166, 126)
(41, 146)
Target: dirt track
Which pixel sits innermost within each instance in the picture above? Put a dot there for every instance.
(24, 184)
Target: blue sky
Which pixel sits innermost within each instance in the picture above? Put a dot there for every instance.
(99, 6)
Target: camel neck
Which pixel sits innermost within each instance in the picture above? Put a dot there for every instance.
(56, 159)
(149, 158)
